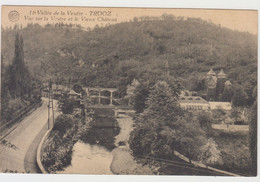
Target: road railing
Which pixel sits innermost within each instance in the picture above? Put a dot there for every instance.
(39, 152)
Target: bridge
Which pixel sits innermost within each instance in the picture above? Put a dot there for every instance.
(99, 96)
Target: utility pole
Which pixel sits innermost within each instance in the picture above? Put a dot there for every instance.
(50, 106)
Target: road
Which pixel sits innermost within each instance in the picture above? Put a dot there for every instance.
(18, 148)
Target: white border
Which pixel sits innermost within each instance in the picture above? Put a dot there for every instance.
(212, 4)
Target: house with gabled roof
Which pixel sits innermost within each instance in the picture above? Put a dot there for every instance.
(216, 84)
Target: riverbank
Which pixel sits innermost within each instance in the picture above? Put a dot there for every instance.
(123, 162)
(57, 148)
(91, 153)
(95, 151)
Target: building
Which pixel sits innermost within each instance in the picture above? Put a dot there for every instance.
(188, 93)
(58, 90)
(220, 105)
(197, 103)
(74, 95)
(216, 84)
(193, 103)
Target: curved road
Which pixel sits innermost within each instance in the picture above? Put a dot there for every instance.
(18, 148)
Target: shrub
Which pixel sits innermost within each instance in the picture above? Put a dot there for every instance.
(62, 123)
(205, 121)
(210, 153)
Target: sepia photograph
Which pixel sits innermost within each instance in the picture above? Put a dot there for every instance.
(128, 91)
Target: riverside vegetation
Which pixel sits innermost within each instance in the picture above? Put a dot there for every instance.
(161, 127)
(66, 132)
(165, 54)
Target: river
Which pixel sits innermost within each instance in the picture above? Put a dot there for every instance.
(100, 152)
(92, 154)
(89, 159)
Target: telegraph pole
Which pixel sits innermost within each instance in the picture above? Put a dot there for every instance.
(50, 106)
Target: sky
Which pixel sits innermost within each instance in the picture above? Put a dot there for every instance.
(241, 20)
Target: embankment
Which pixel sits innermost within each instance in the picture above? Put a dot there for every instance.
(123, 162)
(56, 149)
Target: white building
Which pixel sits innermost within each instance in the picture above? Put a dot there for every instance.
(193, 103)
(220, 105)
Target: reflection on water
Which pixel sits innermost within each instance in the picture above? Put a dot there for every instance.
(101, 136)
(92, 155)
(89, 159)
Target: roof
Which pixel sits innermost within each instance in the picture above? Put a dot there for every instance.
(228, 82)
(220, 105)
(184, 93)
(192, 99)
(211, 72)
(188, 93)
(100, 88)
(72, 92)
(221, 73)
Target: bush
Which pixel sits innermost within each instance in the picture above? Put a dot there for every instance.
(58, 149)
(62, 123)
(67, 105)
(205, 121)
(138, 144)
(210, 153)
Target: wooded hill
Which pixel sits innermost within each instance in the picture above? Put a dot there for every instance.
(112, 56)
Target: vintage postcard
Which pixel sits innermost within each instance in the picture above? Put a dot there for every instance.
(129, 91)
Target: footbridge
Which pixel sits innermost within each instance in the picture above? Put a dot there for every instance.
(99, 96)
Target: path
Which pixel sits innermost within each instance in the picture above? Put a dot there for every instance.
(18, 148)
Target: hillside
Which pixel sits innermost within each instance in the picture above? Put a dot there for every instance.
(112, 56)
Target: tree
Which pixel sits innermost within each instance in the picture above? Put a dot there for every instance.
(20, 81)
(160, 110)
(253, 137)
(66, 104)
(189, 138)
(164, 127)
(205, 121)
(162, 103)
(239, 96)
(227, 94)
(210, 153)
(236, 114)
(140, 95)
(77, 88)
